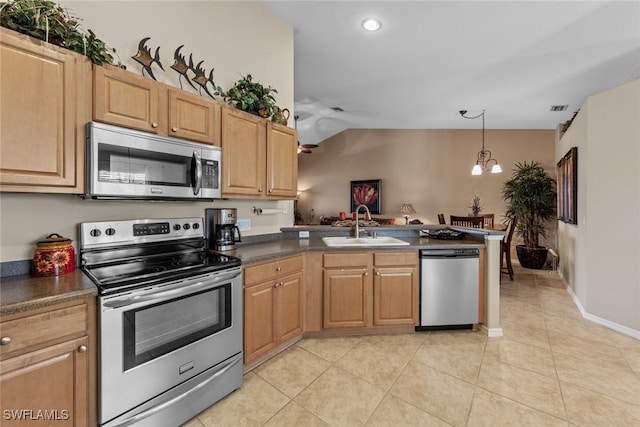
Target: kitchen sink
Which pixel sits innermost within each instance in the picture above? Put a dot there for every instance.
(363, 241)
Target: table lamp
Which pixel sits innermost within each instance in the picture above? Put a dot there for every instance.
(407, 209)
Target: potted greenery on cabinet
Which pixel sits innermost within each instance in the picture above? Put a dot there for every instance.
(531, 201)
(250, 96)
(46, 20)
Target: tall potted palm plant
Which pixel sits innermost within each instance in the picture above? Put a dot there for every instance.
(531, 200)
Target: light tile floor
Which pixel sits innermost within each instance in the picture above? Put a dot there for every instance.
(551, 368)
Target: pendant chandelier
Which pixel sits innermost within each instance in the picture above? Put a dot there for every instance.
(484, 156)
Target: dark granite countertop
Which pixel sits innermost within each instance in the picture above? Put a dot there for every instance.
(22, 293)
(258, 252)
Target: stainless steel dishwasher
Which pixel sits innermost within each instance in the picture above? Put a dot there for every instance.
(449, 280)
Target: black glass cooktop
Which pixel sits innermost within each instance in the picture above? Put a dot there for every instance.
(122, 268)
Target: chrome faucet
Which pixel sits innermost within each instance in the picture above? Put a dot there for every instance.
(358, 221)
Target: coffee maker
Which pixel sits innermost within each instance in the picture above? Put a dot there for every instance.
(221, 229)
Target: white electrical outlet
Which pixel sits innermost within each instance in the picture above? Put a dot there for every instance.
(244, 224)
(303, 234)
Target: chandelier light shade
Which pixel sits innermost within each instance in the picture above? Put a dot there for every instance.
(407, 209)
(484, 159)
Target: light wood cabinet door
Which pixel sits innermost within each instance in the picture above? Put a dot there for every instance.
(282, 161)
(194, 117)
(243, 154)
(395, 296)
(345, 298)
(259, 324)
(53, 379)
(44, 93)
(126, 99)
(289, 307)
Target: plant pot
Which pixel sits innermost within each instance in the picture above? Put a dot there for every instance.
(534, 258)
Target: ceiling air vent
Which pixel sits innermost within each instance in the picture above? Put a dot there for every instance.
(559, 107)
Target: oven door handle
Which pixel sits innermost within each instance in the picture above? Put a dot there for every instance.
(228, 364)
(153, 296)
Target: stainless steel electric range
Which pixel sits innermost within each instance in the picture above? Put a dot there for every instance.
(170, 319)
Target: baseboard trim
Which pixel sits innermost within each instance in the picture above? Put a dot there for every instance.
(492, 332)
(599, 320)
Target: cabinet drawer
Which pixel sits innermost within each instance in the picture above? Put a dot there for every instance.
(395, 258)
(268, 270)
(346, 259)
(39, 328)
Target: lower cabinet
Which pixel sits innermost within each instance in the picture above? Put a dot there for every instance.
(273, 306)
(369, 289)
(47, 366)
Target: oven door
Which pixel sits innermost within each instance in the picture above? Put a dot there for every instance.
(123, 163)
(154, 339)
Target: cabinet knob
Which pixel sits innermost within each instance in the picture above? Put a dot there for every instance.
(5, 340)
(154, 125)
(82, 349)
(278, 268)
(174, 129)
(259, 190)
(377, 273)
(365, 274)
(270, 190)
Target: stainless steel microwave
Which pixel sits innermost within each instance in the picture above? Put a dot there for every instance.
(128, 164)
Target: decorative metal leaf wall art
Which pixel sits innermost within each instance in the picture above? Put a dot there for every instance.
(181, 67)
(144, 57)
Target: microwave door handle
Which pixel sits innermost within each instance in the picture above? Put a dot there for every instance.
(197, 182)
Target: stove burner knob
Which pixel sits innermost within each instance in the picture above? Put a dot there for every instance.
(186, 226)
(177, 227)
(110, 231)
(195, 225)
(95, 232)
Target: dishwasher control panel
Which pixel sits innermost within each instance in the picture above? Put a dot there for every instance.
(454, 252)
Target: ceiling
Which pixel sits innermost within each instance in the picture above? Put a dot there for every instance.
(513, 59)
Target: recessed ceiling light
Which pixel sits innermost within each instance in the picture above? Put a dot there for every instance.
(371, 24)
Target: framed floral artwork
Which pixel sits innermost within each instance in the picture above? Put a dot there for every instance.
(367, 193)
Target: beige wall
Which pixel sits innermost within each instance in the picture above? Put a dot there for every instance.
(233, 37)
(599, 256)
(431, 169)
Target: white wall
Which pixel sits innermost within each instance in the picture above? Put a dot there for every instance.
(233, 37)
(600, 255)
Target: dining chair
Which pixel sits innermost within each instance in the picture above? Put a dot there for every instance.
(441, 219)
(488, 220)
(467, 221)
(505, 251)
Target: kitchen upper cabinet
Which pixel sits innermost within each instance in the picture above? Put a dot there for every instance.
(45, 103)
(193, 117)
(133, 101)
(259, 157)
(282, 161)
(48, 361)
(273, 306)
(243, 153)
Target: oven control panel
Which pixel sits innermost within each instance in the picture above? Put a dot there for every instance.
(108, 233)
